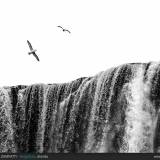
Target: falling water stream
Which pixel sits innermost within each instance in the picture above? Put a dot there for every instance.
(115, 111)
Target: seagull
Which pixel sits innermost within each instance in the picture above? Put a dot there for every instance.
(64, 29)
(32, 50)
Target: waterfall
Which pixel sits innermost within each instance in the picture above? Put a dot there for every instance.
(115, 111)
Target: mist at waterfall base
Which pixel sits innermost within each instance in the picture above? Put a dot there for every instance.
(116, 110)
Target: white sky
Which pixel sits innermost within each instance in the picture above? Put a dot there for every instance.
(104, 33)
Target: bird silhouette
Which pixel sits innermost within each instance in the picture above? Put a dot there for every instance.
(64, 30)
(32, 50)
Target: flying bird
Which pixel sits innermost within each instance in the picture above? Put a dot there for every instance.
(32, 50)
(64, 30)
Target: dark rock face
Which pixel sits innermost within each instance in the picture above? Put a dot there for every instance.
(114, 111)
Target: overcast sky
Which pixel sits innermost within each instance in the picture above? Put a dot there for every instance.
(104, 34)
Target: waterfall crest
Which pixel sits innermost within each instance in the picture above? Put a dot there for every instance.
(117, 110)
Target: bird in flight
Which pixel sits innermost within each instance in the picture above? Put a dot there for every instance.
(32, 50)
(64, 30)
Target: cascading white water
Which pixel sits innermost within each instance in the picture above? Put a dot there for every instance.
(114, 111)
(6, 126)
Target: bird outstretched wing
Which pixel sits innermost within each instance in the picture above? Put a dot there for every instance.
(60, 27)
(30, 46)
(36, 56)
(67, 30)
